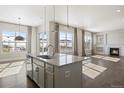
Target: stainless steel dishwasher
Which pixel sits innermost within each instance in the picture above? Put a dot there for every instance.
(29, 68)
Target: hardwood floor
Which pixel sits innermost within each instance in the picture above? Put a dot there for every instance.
(113, 77)
(19, 80)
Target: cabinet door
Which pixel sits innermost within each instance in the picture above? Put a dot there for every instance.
(49, 80)
(49, 76)
(41, 77)
(35, 73)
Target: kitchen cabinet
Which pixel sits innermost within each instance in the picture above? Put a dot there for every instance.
(69, 76)
(49, 76)
(62, 71)
(38, 73)
(41, 76)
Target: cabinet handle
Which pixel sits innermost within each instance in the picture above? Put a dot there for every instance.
(37, 69)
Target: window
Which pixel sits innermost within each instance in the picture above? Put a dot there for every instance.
(10, 45)
(43, 42)
(66, 42)
(62, 43)
(8, 36)
(88, 40)
(88, 43)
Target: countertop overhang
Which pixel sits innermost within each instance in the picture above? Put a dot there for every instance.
(60, 59)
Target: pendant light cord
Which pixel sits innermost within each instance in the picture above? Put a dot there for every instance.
(54, 13)
(54, 18)
(67, 16)
(67, 25)
(45, 18)
(19, 25)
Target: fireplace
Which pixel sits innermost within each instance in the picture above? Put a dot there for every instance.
(114, 51)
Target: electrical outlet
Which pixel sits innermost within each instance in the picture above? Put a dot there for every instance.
(67, 74)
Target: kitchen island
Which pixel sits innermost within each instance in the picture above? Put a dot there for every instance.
(59, 71)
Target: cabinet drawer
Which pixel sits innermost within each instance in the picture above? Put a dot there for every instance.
(38, 62)
(49, 68)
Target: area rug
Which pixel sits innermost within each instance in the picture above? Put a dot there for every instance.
(16, 64)
(86, 61)
(96, 67)
(97, 56)
(4, 65)
(11, 69)
(90, 72)
(112, 59)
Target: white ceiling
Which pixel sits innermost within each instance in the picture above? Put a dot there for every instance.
(93, 18)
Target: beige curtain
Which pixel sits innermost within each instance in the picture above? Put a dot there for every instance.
(79, 41)
(92, 44)
(29, 39)
(54, 35)
(83, 44)
(75, 42)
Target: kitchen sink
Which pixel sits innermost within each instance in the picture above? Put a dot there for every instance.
(44, 56)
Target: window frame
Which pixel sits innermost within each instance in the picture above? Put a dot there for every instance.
(66, 37)
(43, 41)
(15, 42)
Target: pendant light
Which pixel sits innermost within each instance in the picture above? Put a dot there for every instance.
(19, 37)
(67, 16)
(45, 18)
(67, 23)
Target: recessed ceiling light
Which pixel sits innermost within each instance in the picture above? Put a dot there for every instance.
(118, 10)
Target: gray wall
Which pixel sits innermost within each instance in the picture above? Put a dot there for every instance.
(114, 39)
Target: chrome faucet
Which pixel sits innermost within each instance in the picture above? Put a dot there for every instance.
(53, 49)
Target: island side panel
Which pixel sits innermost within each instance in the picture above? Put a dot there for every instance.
(68, 76)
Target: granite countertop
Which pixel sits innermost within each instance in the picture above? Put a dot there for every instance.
(60, 59)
